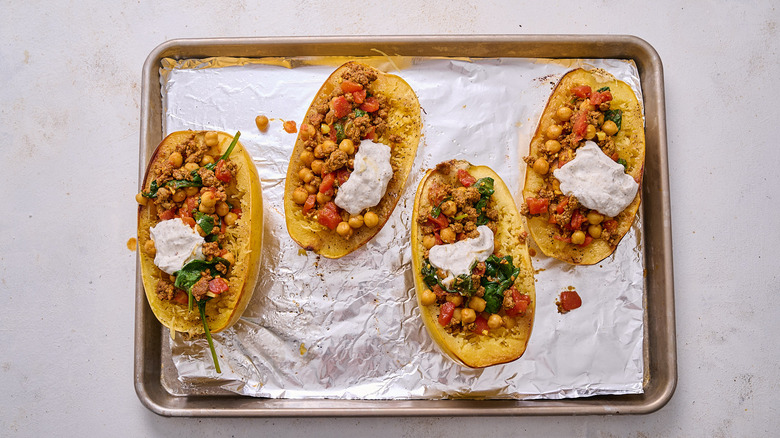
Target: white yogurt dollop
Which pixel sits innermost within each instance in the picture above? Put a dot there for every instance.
(456, 258)
(176, 244)
(368, 181)
(596, 181)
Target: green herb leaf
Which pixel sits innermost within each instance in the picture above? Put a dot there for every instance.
(179, 183)
(212, 166)
(359, 113)
(602, 89)
(205, 221)
(152, 193)
(460, 217)
(202, 308)
(339, 132)
(624, 163)
(614, 115)
(500, 275)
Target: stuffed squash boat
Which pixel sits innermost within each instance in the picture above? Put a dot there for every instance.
(200, 232)
(473, 274)
(351, 159)
(582, 184)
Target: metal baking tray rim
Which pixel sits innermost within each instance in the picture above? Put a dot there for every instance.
(662, 381)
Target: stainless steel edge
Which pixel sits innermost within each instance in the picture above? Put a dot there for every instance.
(148, 366)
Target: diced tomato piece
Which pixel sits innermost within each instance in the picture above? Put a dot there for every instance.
(569, 300)
(580, 126)
(560, 238)
(370, 105)
(600, 97)
(465, 178)
(551, 219)
(582, 91)
(350, 86)
(615, 156)
(332, 134)
(359, 96)
(222, 172)
(327, 182)
(290, 126)
(521, 302)
(340, 106)
(188, 220)
(439, 221)
(190, 205)
(561, 207)
(577, 220)
(370, 134)
(237, 211)
(445, 313)
(438, 290)
(437, 237)
(537, 205)
(342, 175)
(168, 214)
(181, 297)
(481, 326)
(479, 269)
(329, 216)
(610, 225)
(587, 241)
(218, 285)
(309, 204)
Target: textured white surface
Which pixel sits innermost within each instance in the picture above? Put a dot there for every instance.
(70, 76)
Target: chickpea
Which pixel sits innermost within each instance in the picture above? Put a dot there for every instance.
(316, 166)
(495, 321)
(189, 167)
(322, 198)
(200, 231)
(455, 299)
(230, 218)
(208, 199)
(429, 241)
(468, 315)
(449, 208)
(299, 195)
(324, 128)
(222, 208)
(262, 122)
(319, 152)
(564, 113)
(477, 303)
(212, 138)
(347, 146)
(427, 297)
(141, 199)
(541, 166)
(552, 146)
(307, 131)
(344, 229)
(356, 221)
(457, 314)
(590, 132)
(179, 196)
(149, 248)
(229, 257)
(207, 159)
(609, 127)
(328, 146)
(554, 131)
(509, 321)
(191, 191)
(370, 219)
(447, 235)
(204, 209)
(310, 188)
(578, 237)
(594, 217)
(307, 157)
(306, 174)
(600, 119)
(175, 159)
(594, 231)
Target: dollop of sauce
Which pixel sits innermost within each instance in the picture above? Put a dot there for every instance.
(176, 244)
(596, 181)
(456, 258)
(367, 183)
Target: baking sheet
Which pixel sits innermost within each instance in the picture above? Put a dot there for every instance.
(349, 328)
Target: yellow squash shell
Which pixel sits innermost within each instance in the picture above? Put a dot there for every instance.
(244, 241)
(500, 345)
(630, 144)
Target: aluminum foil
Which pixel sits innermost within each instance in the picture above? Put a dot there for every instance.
(350, 328)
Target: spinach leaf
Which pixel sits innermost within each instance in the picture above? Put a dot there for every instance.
(500, 275)
(602, 89)
(205, 221)
(152, 193)
(359, 113)
(485, 188)
(179, 183)
(614, 115)
(202, 308)
(339, 132)
(624, 163)
(429, 274)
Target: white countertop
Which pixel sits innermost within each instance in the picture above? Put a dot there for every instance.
(70, 90)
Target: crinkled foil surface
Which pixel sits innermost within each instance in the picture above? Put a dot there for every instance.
(350, 328)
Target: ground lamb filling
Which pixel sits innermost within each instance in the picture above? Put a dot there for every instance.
(587, 115)
(486, 298)
(332, 132)
(197, 185)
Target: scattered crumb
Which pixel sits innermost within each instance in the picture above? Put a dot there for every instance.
(290, 126)
(303, 349)
(132, 244)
